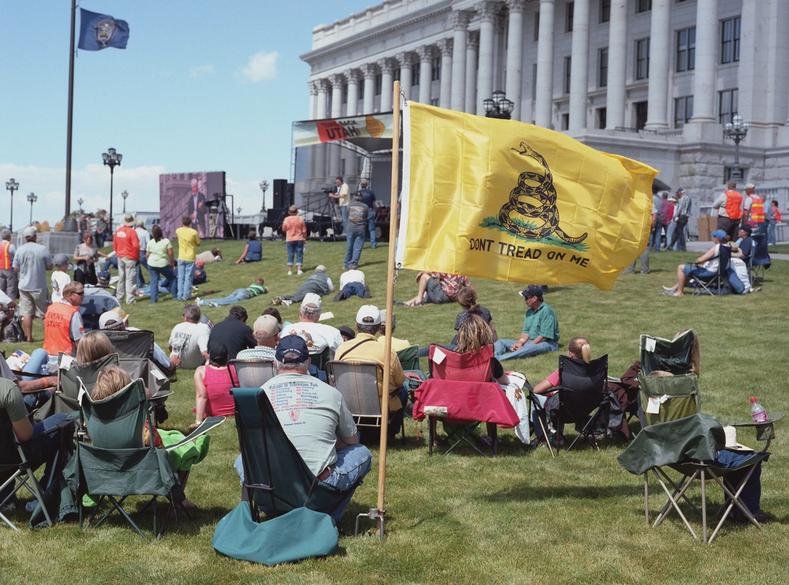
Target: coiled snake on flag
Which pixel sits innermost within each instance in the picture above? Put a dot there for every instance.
(534, 187)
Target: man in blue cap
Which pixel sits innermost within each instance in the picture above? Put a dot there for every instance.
(704, 267)
(317, 421)
(540, 333)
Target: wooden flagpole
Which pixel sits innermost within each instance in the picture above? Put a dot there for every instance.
(390, 269)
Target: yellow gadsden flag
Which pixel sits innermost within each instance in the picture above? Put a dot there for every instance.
(510, 201)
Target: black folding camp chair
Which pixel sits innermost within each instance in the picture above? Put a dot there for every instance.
(718, 283)
(319, 360)
(677, 356)
(759, 261)
(132, 343)
(276, 479)
(582, 397)
(250, 373)
(409, 357)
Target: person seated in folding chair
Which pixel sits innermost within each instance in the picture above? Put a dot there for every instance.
(41, 442)
(398, 344)
(704, 267)
(212, 386)
(540, 332)
(317, 422)
(118, 320)
(365, 348)
(546, 393)
(266, 331)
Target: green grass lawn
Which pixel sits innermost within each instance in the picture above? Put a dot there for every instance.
(520, 518)
(780, 249)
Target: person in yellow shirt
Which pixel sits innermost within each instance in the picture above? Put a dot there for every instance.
(188, 241)
(365, 348)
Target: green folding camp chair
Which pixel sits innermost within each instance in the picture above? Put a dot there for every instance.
(409, 357)
(276, 479)
(667, 398)
(115, 464)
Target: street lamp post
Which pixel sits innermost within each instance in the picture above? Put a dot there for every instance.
(125, 195)
(498, 106)
(112, 158)
(264, 188)
(80, 201)
(736, 131)
(32, 198)
(12, 186)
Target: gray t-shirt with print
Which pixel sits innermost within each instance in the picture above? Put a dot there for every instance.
(32, 260)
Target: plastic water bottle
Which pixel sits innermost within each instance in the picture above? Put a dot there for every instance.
(758, 413)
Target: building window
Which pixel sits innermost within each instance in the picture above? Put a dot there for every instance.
(640, 109)
(686, 49)
(727, 105)
(435, 69)
(569, 9)
(602, 67)
(642, 58)
(643, 6)
(536, 26)
(568, 64)
(730, 40)
(565, 121)
(378, 84)
(683, 110)
(415, 71)
(605, 10)
(600, 115)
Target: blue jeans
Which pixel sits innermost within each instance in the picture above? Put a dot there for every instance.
(771, 232)
(185, 276)
(140, 264)
(502, 349)
(752, 492)
(240, 294)
(698, 272)
(344, 216)
(295, 252)
(371, 228)
(353, 248)
(170, 281)
(353, 463)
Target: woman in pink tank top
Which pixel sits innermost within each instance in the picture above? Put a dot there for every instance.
(212, 387)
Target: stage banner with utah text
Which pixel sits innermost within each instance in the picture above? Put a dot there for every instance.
(505, 200)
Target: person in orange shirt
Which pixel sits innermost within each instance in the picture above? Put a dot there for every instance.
(295, 231)
(127, 248)
(63, 323)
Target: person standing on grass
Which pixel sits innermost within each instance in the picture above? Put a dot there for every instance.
(729, 205)
(159, 256)
(342, 197)
(355, 228)
(368, 198)
(31, 262)
(144, 237)
(253, 249)
(188, 241)
(8, 279)
(773, 217)
(127, 248)
(295, 231)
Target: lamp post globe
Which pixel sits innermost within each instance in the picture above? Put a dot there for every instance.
(736, 131)
(12, 185)
(498, 106)
(32, 198)
(80, 201)
(125, 195)
(112, 158)
(264, 188)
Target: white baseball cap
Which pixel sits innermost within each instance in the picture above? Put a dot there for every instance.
(368, 315)
(311, 299)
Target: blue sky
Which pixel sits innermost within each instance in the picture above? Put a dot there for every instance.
(202, 85)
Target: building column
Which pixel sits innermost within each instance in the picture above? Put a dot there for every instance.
(425, 70)
(336, 81)
(579, 66)
(544, 101)
(617, 63)
(352, 104)
(387, 68)
(458, 20)
(660, 39)
(406, 61)
(369, 71)
(445, 46)
(487, 20)
(313, 99)
(320, 114)
(753, 67)
(514, 55)
(777, 56)
(472, 46)
(707, 39)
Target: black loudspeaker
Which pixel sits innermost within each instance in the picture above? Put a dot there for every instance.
(275, 217)
(281, 194)
(291, 194)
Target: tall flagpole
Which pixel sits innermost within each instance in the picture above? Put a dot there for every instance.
(70, 107)
(394, 202)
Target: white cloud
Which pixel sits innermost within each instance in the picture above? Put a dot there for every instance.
(201, 70)
(261, 67)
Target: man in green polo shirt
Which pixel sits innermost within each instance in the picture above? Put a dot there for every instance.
(540, 329)
(255, 289)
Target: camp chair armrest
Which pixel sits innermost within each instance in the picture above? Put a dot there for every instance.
(207, 425)
(258, 486)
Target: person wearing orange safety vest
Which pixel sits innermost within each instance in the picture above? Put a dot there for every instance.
(8, 277)
(729, 206)
(63, 323)
(756, 212)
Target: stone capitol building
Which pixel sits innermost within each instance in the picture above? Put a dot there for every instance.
(654, 80)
